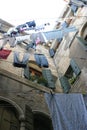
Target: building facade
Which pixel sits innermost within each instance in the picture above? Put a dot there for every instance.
(70, 53)
(22, 102)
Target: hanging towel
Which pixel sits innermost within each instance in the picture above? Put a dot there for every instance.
(18, 63)
(68, 111)
(4, 53)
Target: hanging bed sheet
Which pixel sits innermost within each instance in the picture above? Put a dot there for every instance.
(68, 111)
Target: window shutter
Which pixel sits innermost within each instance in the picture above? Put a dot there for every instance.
(65, 84)
(51, 52)
(26, 72)
(75, 67)
(82, 42)
(29, 125)
(48, 76)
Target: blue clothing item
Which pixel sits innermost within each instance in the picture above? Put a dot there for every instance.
(64, 24)
(41, 60)
(79, 3)
(68, 111)
(58, 33)
(31, 45)
(18, 63)
(74, 8)
(31, 23)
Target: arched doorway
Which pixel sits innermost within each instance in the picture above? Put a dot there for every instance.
(42, 121)
(8, 117)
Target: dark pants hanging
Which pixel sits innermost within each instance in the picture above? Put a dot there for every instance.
(18, 63)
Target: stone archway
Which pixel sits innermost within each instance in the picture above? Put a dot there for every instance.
(42, 121)
(12, 116)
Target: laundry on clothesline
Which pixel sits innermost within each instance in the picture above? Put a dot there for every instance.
(59, 33)
(6, 39)
(20, 63)
(41, 60)
(4, 53)
(79, 3)
(31, 45)
(68, 111)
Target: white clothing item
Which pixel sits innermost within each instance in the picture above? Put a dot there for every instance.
(13, 29)
(19, 39)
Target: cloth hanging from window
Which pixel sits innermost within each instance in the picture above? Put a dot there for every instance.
(18, 63)
(4, 53)
(79, 3)
(41, 60)
(58, 33)
(68, 111)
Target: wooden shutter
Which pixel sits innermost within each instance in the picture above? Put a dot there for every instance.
(75, 67)
(48, 76)
(26, 72)
(51, 52)
(82, 42)
(29, 125)
(65, 84)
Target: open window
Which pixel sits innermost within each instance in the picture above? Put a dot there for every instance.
(34, 73)
(72, 72)
(83, 42)
(70, 76)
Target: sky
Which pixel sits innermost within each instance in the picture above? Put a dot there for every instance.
(18, 12)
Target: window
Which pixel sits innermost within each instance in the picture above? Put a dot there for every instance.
(70, 76)
(83, 42)
(85, 38)
(72, 72)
